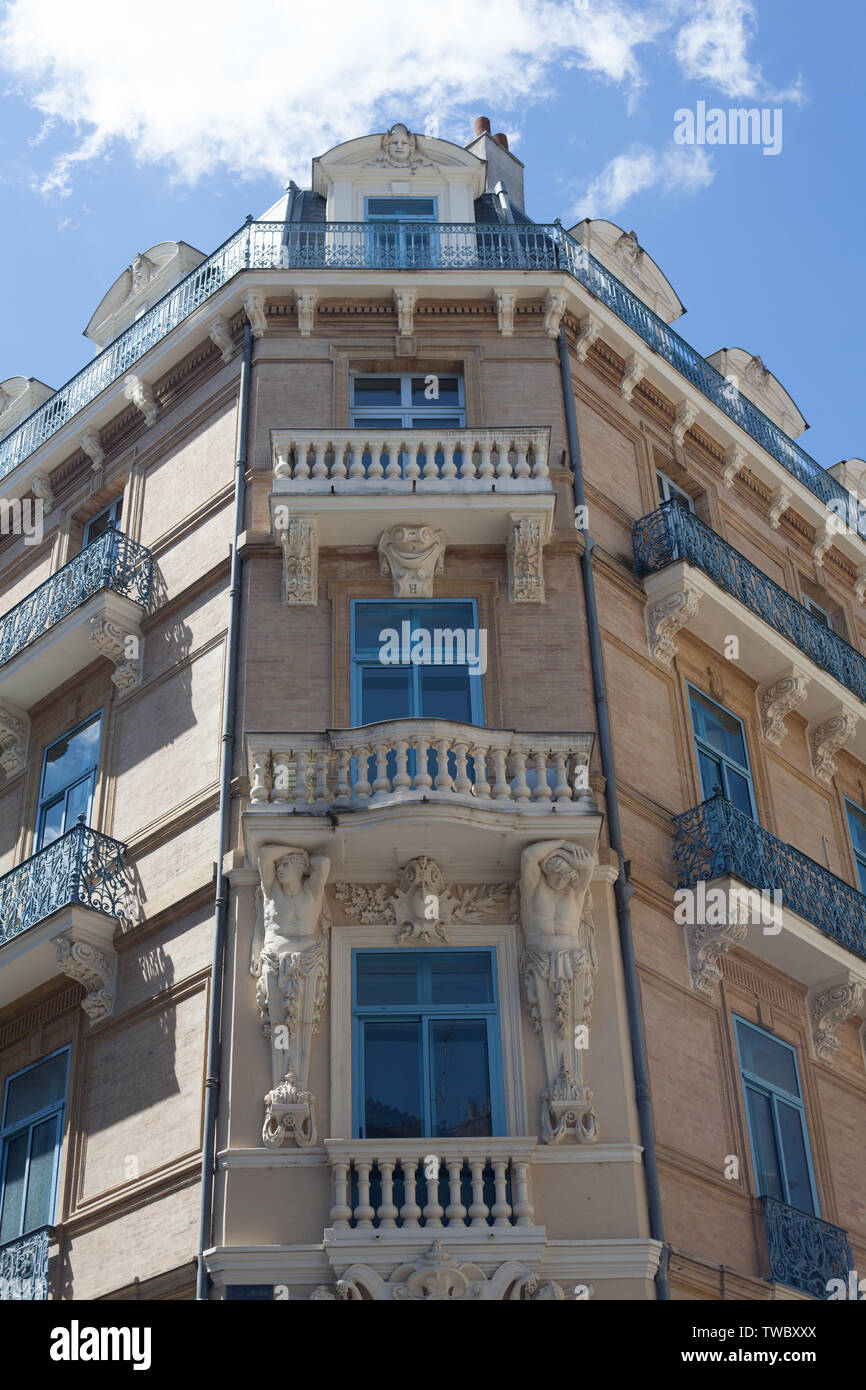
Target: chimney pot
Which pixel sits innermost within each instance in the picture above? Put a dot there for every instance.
(482, 125)
(501, 139)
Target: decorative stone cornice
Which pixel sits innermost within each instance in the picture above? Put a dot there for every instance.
(254, 308)
(140, 393)
(412, 555)
(14, 738)
(830, 1005)
(93, 967)
(635, 370)
(122, 646)
(299, 542)
(825, 737)
(505, 300)
(91, 446)
(526, 560)
(664, 619)
(554, 308)
(219, 334)
(780, 501)
(686, 414)
(776, 698)
(305, 306)
(404, 301)
(735, 462)
(589, 331)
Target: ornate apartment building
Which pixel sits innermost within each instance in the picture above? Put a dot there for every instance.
(433, 813)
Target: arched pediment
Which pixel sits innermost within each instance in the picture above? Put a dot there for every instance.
(622, 254)
(399, 163)
(151, 275)
(19, 397)
(756, 381)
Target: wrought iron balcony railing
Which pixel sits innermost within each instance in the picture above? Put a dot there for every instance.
(112, 561)
(715, 839)
(416, 246)
(82, 867)
(24, 1267)
(805, 1252)
(672, 533)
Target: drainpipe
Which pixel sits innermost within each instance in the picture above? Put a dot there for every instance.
(212, 1080)
(622, 890)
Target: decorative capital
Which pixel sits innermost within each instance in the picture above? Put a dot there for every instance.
(254, 308)
(93, 967)
(664, 619)
(412, 555)
(93, 449)
(300, 546)
(830, 1005)
(305, 305)
(635, 371)
(219, 334)
(404, 301)
(122, 646)
(779, 504)
(140, 394)
(14, 738)
(685, 418)
(776, 698)
(589, 331)
(505, 301)
(826, 737)
(525, 560)
(554, 308)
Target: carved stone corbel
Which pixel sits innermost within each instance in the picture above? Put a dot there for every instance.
(526, 560)
(706, 943)
(254, 308)
(94, 967)
(735, 462)
(93, 449)
(860, 586)
(122, 646)
(299, 542)
(665, 617)
(404, 301)
(505, 301)
(825, 537)
(779, 504)
(830, 1005)
(219, 334)
(412, 555)
(140, 394)
(554, 308)
(777, 697)
(825, 737)
(41, 488)
(686, 416)
(305, 306)
(14, 738)
(589, 331)
(635, 371)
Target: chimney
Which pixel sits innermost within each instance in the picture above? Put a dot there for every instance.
(502, 166)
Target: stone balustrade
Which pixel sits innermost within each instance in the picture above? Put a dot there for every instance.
(420, 759)
(417, 460)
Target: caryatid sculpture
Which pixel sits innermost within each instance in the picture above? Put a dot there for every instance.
(290, 957)
(558, 965)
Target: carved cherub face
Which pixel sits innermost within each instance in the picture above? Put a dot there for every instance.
(292, 867)
(398, 144)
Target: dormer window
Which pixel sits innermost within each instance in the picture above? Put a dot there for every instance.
(398, 239)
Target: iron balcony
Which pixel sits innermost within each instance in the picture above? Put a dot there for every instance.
(82, 867)
(24, 1267)
(804, 1252)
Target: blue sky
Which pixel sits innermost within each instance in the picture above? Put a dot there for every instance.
(122, 126)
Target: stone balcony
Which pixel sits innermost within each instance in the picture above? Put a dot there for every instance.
(456, 792)
(59, 910)
(804, 1252)
(25, 1267)
(465, 486)
(695, 580)
(91, 607)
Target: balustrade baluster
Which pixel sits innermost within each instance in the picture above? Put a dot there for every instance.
(539, 467)
(523, 1211)
(341, 1212)
(364, 1213)
(282, 470)
(259, 789)
(381, 747)
(461, 781)
(478, 1209)
(521, 469)
(401, 755)
(486, 469)
(479, 754)
(431, 467)
(281, 792)
(320, 469)
(338, 467)
(357, 451)
(455, 1212)
(412, 470)
(521, 786)
(387, 1210)
(467, 467)
(375, 470)
(321, 792)
(343, 789)
(410, 1212)
(443, 776)
(302, 467)
(449, 467)
(302, 793)
(433, 1212)
(501, 786)
(541, 791)
(500, 1211)
(362, 786)
(423, 780)
(393, 469)
(503, 463)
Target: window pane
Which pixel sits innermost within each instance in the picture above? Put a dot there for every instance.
(720, 730)
(796, 1162)
(738, 791)
(78, 803)
(385, 978)
(857, 824)
(861, 874)
(460, 1080)
(449, 392)
(373, 618)
(445, 693)
(52, 822)
(771, 1061)
(40, 1182)
(35, 1089)
(463, 979)
(711, 775)
(450, 422)
(393, 1101)
(13, 1187)
(377, 390)
(69, 757)
(408, 209)
(385, 693)
(766, 1156)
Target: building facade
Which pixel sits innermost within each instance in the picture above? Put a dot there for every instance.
(422, 674)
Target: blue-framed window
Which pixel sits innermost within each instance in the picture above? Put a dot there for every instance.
(409, 691)
(31, 1134)
(426, 1045)
(407, 401)
(68, 781)
(723, 758)
(857, 830)
(109, 516)
(392, 241)
(779, 1140)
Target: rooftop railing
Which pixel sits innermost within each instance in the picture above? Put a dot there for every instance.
(805, 1252)
(82, 866)
(24, 1267)
(715, 839)
(673, 533)
(112, 561)
(415, 246)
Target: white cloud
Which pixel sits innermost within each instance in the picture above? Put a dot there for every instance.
(683, 170)
(713, 47)
(207, 85)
